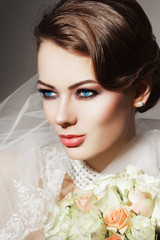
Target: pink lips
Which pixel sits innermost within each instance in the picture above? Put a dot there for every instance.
(72, 140)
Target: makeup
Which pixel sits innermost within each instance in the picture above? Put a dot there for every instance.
(72, 140)
(93, 123)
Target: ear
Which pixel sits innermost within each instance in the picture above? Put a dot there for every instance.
(142, 93)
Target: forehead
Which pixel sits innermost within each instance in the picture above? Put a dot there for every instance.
(56, 64)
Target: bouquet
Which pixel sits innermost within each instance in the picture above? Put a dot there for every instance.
(118, 207)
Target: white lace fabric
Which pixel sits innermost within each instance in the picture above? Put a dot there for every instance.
(34, 203)
(29, 181)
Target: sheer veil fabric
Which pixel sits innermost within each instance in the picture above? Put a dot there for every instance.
(32, 162)
(26, 182)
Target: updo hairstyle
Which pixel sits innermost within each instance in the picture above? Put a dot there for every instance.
(116, 34)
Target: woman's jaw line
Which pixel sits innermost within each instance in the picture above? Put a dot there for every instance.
(101, 160)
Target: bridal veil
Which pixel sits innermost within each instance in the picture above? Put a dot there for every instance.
(24, 132)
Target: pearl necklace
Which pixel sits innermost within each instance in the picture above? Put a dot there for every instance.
(80, 173)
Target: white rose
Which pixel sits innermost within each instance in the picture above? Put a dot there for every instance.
(144, 182)
(156, 214)
(133, 171)
(111, 197)
(142, 228)
(115, 190)
(119, 181)
(85, 225)
(58, 224)
(100, 186)
(123, 185)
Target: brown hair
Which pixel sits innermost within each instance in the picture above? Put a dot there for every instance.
(116, 34)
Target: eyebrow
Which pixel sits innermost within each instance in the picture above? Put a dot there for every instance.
(70, 87)
(45, 84)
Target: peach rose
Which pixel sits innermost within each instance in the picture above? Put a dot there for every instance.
(114, 237)
(117, 217)
(141, 203)
(82, 202)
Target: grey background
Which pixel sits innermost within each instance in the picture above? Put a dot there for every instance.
(17, 47)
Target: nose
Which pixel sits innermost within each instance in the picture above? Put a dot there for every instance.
(66, 114)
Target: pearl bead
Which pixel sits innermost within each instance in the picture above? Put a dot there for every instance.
(80, 173)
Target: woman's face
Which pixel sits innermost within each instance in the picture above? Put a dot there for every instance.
(89, 120)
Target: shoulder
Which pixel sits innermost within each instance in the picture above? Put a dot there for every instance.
(151, 137)
(148, 151)
(143, 152)
(154, 132)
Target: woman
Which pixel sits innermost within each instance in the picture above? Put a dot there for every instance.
(98, 64)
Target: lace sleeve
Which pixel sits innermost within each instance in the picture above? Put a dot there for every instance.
(34, 202)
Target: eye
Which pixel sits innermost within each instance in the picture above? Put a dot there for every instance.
(48, 94)
(86, 93)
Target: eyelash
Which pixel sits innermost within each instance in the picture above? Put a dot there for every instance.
(92, 93)
(44, 92)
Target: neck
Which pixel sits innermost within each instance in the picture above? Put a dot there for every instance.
(100, 162)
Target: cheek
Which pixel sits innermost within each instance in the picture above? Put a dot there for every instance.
(48, 111)
(114, 110)
(111, 122)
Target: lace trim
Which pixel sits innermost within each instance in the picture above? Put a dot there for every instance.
(35, 203)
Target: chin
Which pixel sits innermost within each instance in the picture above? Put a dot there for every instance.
(75, 153)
